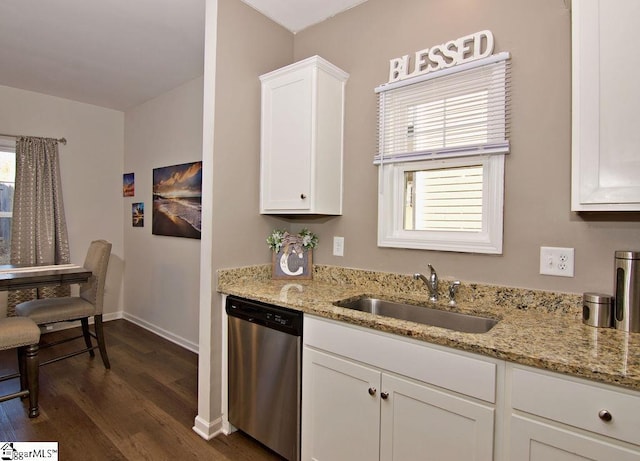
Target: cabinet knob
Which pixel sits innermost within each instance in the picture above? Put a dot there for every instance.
(303, 196)
(372, 391)
(605, 416)
(384, 395)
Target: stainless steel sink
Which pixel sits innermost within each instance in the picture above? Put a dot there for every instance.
(456, 321)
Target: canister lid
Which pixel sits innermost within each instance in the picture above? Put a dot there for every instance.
(627, 254)
(597, 298)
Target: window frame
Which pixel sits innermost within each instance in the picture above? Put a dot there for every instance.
(7, 145)
(391, 232)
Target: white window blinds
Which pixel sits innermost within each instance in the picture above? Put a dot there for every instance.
(459, 111)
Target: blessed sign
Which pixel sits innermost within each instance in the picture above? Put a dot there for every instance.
(452, 53)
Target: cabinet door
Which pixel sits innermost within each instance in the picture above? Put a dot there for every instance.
(421, 423)
(537, 441)
(340, 416)
(605, 162)
(286, 141)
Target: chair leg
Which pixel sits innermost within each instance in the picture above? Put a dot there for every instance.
(97, 320)
(87, 335)
(32, 368)
(22, 369)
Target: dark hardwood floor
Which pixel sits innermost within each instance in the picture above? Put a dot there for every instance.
(141, 409)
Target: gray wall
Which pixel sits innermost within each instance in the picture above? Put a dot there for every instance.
(91, 171)
(537, 177)
(162, 273)
(248, 45)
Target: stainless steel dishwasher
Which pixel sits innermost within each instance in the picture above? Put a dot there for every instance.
(264, 381)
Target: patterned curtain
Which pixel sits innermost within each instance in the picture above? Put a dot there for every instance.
(38, 229)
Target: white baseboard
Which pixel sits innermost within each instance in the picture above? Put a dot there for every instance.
(66, 325)
(133, 319)
(112, 316)
(207, 430)
(189, 345)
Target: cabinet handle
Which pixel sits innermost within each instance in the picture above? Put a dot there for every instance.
(372, 391)
(605, 416)
(303, 196)
(384, 395)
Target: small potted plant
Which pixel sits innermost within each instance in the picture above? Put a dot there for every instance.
(292, 253)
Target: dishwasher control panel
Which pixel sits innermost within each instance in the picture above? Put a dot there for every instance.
(279, 318)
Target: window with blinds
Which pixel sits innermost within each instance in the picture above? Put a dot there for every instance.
(442, 138)
(454, 112)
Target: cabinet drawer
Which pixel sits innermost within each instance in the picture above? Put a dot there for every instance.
(577, 403)
(537, 441)
(424, 362)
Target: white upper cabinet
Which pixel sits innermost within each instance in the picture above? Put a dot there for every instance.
(302, 139)
(606, 97)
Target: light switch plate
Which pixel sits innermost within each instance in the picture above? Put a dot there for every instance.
(557, 261)
(338, 246)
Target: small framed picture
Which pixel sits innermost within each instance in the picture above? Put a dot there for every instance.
(292, 265)
(137, 214)
(128, 185)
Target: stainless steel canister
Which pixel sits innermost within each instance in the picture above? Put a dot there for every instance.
(627, 285)
(597, 310)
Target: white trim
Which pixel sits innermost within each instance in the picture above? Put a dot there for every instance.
(7, 144)
(207, 429)
(391, 231)
(59, 326)
(111, 316)
(486, 149)
(185, 343)
(441, 73)
(312, 61)
(208, 401)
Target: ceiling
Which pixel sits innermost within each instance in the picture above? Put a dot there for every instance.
(297, 15)
(120, 53)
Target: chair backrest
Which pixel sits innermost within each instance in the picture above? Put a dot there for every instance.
(96, 261)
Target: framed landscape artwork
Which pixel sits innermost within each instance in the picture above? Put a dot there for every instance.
(137, 214)
(177, 200)
(128, 185)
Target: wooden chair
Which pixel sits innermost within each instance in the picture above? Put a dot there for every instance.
(72, 308)
(22, 334)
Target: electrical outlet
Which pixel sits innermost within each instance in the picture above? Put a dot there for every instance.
(338, 246)
(556, 261)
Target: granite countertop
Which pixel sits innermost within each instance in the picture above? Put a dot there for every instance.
(536, 328)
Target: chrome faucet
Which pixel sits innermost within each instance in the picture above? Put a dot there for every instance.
(431, 283)
(453, 289)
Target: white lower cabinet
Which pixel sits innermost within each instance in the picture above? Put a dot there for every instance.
(371, 396)
(359, 411)
(556, 418)
(341, 421)
(418, 422)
